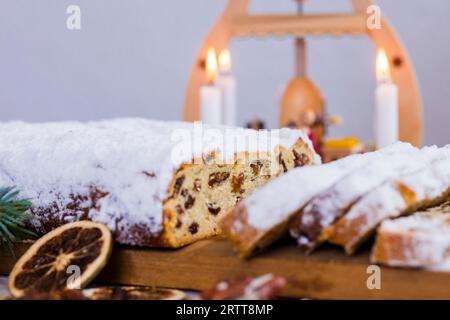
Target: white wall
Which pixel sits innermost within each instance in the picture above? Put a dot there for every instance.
(132, 58)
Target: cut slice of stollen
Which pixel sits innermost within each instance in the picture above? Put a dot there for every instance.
(264, 216)
(421, 240)
(311, 226)
(424, 188)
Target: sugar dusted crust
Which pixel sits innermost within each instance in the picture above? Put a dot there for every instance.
(312, 225)
(246, 239)
(342, 202)
(402, 196)
(421, 240)
(266, 215)
(122, 172)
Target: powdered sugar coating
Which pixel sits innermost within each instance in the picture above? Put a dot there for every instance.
(132, 160)
(387, 201)
(274, 202)
(427, 183)
(443, 266)
(426, 240)
(433, 224)
(331, 204)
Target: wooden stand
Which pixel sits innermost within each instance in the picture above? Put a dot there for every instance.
(326, 274)
(236, 22)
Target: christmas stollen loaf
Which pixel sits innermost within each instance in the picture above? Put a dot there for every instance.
(421, 240)
(152, 183)
(315, 222)
(264, 216)
(426, 187)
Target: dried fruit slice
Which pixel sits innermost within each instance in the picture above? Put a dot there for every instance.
(133, 293)
(45, 266)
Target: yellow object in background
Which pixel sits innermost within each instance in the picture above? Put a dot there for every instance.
(342, 143)
(335, 149)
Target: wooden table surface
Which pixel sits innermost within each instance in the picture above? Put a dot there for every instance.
(326, 274)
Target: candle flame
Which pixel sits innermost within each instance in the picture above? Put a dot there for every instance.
(211, 66)
(383, 72)
(225, 60)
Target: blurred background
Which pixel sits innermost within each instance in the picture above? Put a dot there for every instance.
(132, 58)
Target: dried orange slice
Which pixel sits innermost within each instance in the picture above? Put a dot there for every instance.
(133, 293)
(75, 251)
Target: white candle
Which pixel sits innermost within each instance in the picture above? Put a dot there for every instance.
(210, 94)
(211, 105)
(227, 84)
(386, 104)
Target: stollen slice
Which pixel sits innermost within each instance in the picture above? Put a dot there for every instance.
(421, 240)
(265, 215)
(424, 188)
(311, 225)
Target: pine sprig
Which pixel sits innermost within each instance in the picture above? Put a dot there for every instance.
(13, 216)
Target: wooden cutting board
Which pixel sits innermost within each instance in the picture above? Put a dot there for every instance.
(327, 274)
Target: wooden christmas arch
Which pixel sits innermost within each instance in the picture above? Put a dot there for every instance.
(236, 22)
